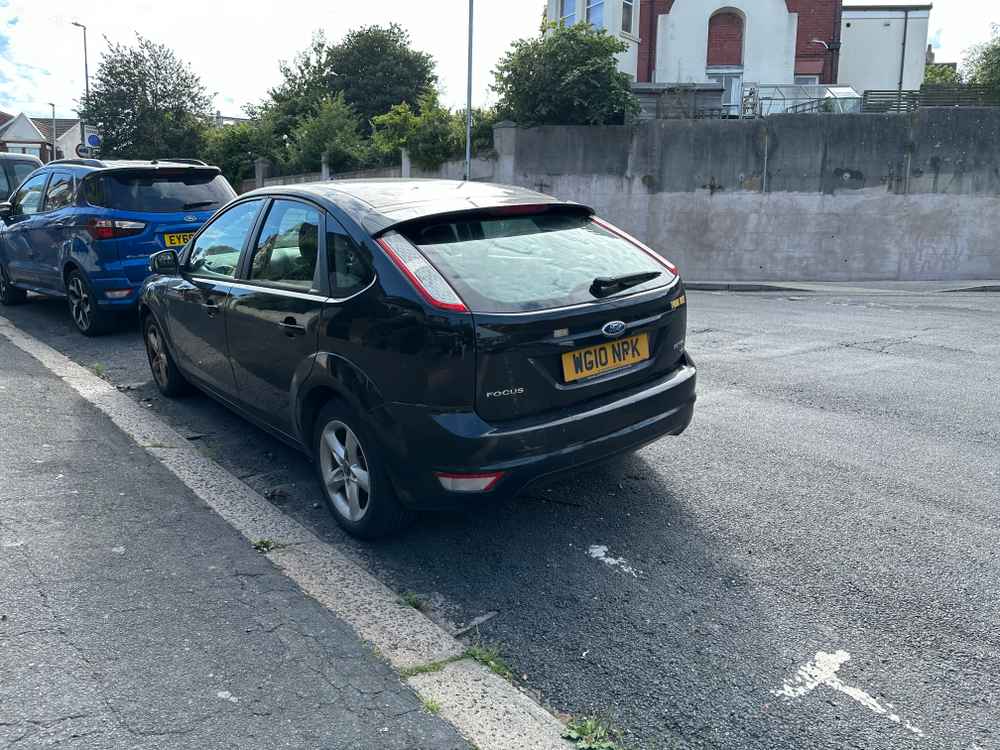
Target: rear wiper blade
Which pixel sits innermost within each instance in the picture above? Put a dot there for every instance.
(198, 204)
(605, 286)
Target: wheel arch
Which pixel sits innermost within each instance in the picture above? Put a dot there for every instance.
(333, 378)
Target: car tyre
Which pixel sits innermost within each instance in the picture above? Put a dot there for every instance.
(353, 477)
(166, 374)
(10, 294)
(88, 318)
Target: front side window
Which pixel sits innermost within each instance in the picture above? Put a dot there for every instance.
(60, 192)
(628, 8)
(595, 13)
(288, 246)
(28, 200)
(567, 12)
(350, 265)
(216, 251)
(510, 264)
(5, 186)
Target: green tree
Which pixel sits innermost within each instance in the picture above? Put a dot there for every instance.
(233, 149)
(146, 102)
(373, 67)
(376, 68)
(333, 131)
(430, 134)
(567, 76)
(982, 62)
(936, 74)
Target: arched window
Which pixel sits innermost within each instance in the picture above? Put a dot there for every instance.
(725, 39)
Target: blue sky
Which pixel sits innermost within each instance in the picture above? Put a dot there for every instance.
(235, 45)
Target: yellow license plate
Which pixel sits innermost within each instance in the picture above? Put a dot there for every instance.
(595, 360)
(176, 239)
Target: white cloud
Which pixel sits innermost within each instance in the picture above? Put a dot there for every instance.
(956, 25)
(235, 45)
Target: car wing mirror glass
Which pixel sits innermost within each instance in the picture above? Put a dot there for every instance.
(165, 263)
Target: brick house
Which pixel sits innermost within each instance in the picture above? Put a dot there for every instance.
(733, 42)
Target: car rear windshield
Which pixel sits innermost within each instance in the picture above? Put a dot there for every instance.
(159, 191)
(503, 264)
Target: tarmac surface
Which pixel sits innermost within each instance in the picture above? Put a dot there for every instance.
(812, 565)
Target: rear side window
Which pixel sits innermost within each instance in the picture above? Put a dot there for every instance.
(533, 262)
(60, 193)
(288, 247)
(349, 264)
(158, 191)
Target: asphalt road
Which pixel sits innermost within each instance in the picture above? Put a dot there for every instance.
(836, 495)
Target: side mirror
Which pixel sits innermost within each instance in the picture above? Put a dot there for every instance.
(6, 211)
(165, 263)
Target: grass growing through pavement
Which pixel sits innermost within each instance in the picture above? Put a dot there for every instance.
(589, 733)
(489, 656)
(431, 705)
(265, 545)
(413, 600)
(100, 370)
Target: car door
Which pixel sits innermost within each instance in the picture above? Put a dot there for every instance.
(275, 308)
(196, 307)
(20, 235)
(52, 233)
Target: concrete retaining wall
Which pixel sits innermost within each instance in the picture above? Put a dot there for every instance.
(792, 197)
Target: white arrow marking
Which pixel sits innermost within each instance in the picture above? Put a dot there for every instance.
(823, 671)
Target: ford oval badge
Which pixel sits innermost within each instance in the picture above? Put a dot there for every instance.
(613, 329)
(190, 218)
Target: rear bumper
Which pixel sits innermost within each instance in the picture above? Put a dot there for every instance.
(421, 441)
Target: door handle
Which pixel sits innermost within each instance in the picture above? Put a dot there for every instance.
(291, 327)
(211, 307)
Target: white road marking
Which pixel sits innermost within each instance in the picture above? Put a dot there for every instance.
(600, 552)
(823, 671)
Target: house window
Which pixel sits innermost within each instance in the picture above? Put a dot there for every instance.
(732, 88)
(595, 13)
(567, 12)
(628, 9)
(725, 39)
(807, 80)
(30, 150)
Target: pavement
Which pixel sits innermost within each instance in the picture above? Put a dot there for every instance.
(132, 615)
(812, 565)
(856, 287)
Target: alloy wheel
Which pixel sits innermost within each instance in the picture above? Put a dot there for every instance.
(79, 302)
(157, 355)
(345, 471)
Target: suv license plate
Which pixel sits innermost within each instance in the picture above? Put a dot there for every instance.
(177, 239)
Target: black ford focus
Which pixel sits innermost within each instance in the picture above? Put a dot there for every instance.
(431, 344)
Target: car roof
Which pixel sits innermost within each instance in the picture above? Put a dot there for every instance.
(5, 155)
(108, 165)
(378, 204)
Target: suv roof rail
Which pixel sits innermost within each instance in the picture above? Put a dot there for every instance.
(81, 162)
(195, 162)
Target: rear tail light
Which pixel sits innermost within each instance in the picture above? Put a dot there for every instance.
(111, 229)
(427, 280)
(469, 482)
(628, 237)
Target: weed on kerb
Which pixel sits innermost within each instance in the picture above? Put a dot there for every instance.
(489, 656)
(589, 733)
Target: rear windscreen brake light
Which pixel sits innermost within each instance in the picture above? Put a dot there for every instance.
(425, 278)
(625, 236)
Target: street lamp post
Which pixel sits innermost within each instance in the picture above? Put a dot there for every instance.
(86, 69)
(54, 154)
(468, 107)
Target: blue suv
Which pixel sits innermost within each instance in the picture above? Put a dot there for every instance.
(84, 229)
